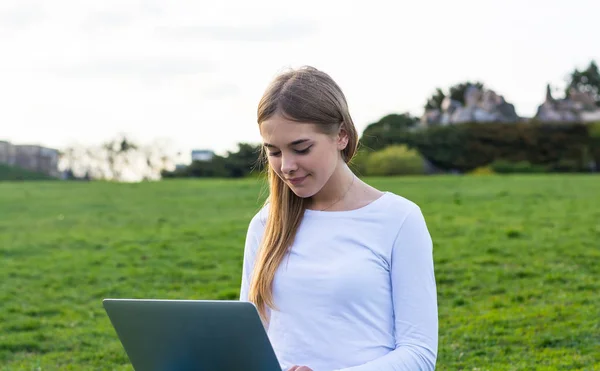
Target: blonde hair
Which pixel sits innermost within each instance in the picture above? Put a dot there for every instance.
(304, 95)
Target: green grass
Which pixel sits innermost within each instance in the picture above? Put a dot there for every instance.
(517, 264)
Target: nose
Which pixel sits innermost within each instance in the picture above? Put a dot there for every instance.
(288, 164)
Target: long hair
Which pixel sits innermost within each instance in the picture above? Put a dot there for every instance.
(303, 95)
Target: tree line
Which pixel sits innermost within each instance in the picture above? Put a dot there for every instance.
(395, 144)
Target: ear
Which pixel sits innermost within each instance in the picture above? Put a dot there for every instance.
(342, 138)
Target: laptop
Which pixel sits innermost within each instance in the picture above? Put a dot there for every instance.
(191, 335)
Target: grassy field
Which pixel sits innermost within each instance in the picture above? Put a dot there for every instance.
(517, 264)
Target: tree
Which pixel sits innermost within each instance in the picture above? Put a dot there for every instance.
(233, 165)
(117, 153)
(390, 129)
(435, 102)
(119, 159)
(216, 167)
(244, 161)
(455, 92)
(586, 81)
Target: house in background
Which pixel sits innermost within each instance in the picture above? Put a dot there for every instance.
(8, 153)
(202, 155)
(30, 157)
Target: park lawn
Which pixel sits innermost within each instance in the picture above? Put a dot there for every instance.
(516, 257)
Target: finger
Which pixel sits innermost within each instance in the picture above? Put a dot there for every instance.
(293, 368)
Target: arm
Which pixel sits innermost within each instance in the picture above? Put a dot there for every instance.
(250, 249)
(415, 301)
(252, 244)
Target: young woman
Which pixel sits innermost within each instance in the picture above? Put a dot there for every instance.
(341, 273)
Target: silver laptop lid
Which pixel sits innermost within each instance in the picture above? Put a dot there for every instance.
(186, 335)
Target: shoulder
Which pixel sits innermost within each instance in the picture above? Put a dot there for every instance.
(259, 220)
(410, 227)
(402, 215)
(397, 207)
(255, 232)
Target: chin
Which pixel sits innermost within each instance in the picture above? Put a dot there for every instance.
(302, 192)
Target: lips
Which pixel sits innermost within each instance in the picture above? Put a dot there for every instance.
(298, 180)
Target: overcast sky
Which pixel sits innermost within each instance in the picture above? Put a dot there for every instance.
(192, 72)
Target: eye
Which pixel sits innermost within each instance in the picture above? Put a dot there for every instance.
(274, 154)
(303, 151)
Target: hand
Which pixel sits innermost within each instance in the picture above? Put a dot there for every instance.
(300, 368)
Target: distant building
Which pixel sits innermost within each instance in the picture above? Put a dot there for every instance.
(30, 157)
(577, 106)
(202, 155)
(8, 153)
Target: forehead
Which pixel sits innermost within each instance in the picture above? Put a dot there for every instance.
(280, 131)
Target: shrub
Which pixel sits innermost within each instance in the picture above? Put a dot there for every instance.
(358, 164)
(484, 170)
(14, 173)
(444, 147)
(465, 147)
(391, 129)
(395, 160)
(594, 147)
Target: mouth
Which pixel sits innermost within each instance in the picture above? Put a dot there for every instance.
(298, 180)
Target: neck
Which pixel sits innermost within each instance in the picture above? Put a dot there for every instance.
(335, 189)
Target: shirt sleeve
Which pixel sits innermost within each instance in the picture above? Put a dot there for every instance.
(415, 301)
(251, 246)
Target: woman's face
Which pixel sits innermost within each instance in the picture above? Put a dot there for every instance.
(303, 157)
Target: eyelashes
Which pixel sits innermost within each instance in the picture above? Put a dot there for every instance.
(300, 152)
(303, 151)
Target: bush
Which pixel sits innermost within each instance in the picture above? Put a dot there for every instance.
(359, 164)
(594, 147)
(395, 160)
(14, 173)
(465, 147)
(391, 129)
(444, 147)
(484, 170)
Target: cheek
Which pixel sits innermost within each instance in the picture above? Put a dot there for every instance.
(327, 156)
(274, 163)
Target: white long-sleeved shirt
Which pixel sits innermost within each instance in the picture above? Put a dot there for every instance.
(357, 290)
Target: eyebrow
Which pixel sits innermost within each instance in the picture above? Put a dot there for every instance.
(299, 141)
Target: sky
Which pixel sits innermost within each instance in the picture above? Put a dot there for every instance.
(192, 72)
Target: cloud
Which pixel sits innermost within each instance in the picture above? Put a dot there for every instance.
(21, 16)
(140, 68)
(105, 20)
(285, 30)
(220, 91)
(120, 15)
